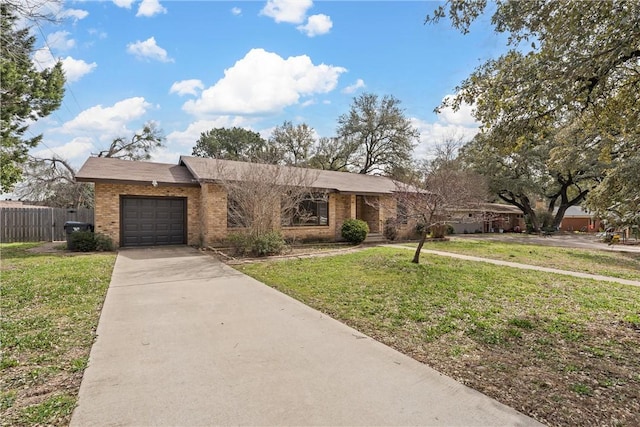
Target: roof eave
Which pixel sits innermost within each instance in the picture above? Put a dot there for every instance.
(136, 182)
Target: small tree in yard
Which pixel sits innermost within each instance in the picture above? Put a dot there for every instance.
(261, 197)
(443, 190)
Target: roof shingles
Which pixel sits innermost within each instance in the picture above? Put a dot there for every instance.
(111, 170)
(192, 170)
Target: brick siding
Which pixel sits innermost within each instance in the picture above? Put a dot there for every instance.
(107, 207)
(207, 212)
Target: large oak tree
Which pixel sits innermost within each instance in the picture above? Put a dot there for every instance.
(572, 68)
(376, 134)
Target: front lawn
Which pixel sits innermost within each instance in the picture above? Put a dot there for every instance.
(50, 309)
(623, 265)
(563, 350)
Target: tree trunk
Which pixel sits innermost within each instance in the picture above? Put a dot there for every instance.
(533, 218)
(416, 256)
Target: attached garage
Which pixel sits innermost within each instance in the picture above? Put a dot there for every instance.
(153, 221)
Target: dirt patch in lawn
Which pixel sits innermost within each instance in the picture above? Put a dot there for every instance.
(587, 386)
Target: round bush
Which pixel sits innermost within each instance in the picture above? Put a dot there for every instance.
(354, 231)
(271, 243)
(88, 241)
(82, 241)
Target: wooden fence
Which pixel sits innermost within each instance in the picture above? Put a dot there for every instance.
(38, 224)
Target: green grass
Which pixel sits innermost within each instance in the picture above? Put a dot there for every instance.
(50, 309)
(623, 265)
(552, 346)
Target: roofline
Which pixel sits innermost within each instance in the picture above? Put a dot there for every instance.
(139, 182)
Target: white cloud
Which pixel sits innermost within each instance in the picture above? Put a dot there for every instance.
(236, 11)
(60, 40)
(316, 25)
(187, 87)
(77, 149)
(76, 14)
(100, 34)
(74, 69)
(43, 59)
(148, 49)
(149, 8)
(456, 125)
(123, 3)
(190, 136)
(291, 11)
(108, 121)
(264, 82)
(352, 88)
(164, 155)
(463, 117)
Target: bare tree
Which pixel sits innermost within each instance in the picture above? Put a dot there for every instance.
(445, 193)
(139, 147)
(261, 197)
(52, 181)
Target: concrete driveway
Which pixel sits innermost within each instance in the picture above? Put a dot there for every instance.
(185, 340)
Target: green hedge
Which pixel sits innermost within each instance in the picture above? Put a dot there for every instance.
(354, 230)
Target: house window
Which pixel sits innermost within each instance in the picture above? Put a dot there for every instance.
(236, 217)
(311, 211)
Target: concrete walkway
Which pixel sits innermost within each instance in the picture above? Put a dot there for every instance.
(185, 340)
(523, 266)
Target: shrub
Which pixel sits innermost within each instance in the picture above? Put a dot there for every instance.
(450, 229)
(271, 243)
(390, 230)
(103, 242)
(438, 231)
(244, 244)
(240, 243)
(82, 241)
(354, 230)
(87, 241)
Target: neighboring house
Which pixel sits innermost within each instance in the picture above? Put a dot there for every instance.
(144, 203)
(490, 218)
(577, 219)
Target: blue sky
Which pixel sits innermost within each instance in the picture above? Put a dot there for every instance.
(191, 66)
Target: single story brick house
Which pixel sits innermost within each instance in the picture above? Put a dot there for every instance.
(144, 203)
(578, 219)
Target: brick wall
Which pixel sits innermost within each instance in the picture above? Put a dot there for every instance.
(207, 212)
(345, 208)
(213, 205)
(107, 207)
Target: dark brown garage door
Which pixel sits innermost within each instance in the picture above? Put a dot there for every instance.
(151, 221)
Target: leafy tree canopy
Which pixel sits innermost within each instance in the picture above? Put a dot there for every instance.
(26, 95)
(376, 135)
(293, 142)
(573, 69)
(235, 144)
